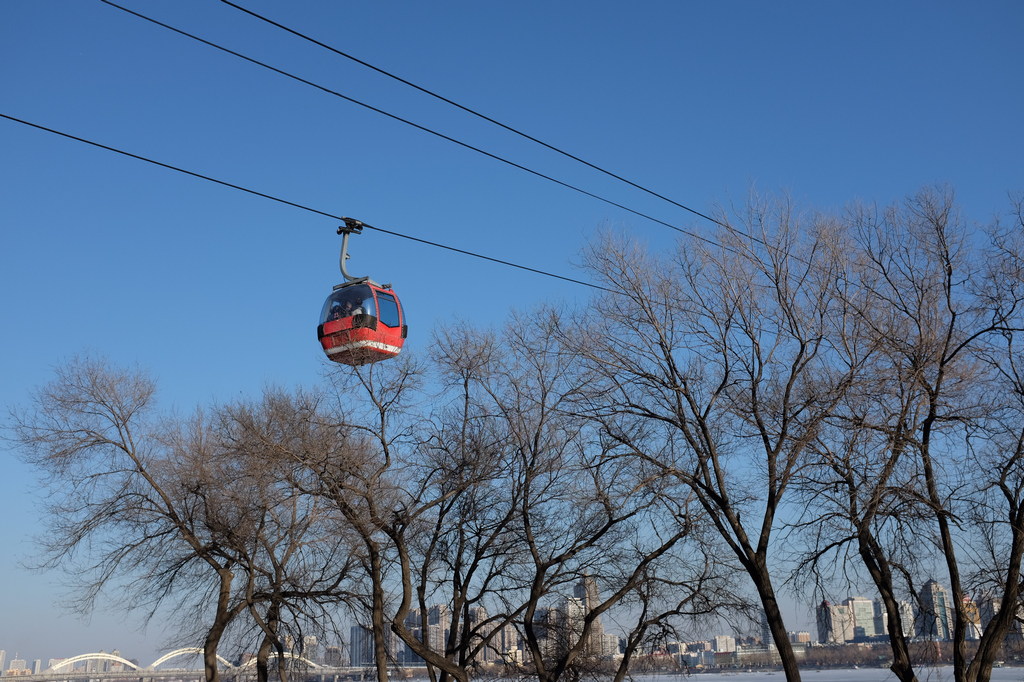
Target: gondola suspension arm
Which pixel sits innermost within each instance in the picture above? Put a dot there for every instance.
(351, 226)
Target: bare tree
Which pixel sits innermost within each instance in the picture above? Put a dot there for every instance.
(300, 560)
(562, 510)
(191, 513)
(913, 457)
(458, 553)
(359, 473)
(428, 509)
(714, 368)
(493, 507)
(130, 498)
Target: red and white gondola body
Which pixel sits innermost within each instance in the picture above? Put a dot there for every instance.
(362, 323)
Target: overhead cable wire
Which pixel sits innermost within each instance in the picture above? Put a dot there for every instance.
(411, 123)
(520, 133)
(301, 206)
(473, 112)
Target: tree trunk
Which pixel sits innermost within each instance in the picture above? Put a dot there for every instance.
(263, 655)
(282, 662)
(874, 559)
(262, 658)
(220, 622)
(377, 615)
(762, 581)
(980, 669)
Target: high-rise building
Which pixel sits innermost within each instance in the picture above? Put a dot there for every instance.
(973, 620)
(477, 623)
(436, 638)
(570, 616)
(17, 663)
(508, 641)
(936, 621)
(414, 619)
(766, 631)
(414, 624)
(613, 645)
(835, 623)
(332, 656)
(725, 643)
(3, 658)
(361, 651)
(439, 622)
(406, 655)
(989, 604)
(881, 621)
(862, 610)
(309, 648)
(37, 666)
(907, 618)
(586, 590)
(546, 627)
(988, 607)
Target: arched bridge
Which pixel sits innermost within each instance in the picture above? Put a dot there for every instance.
(251, 663)
(64, 671)
(68, 664)
(187, 651)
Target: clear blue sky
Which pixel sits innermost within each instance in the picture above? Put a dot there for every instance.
(217, 292)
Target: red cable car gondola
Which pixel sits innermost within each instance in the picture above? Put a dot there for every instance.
(361, 321)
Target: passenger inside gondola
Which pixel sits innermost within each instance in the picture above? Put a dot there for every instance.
(350, 301)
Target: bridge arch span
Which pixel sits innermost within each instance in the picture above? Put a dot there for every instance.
(252, 661)
(186, 651)
(92, 657)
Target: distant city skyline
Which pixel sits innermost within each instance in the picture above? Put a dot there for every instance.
(857, 618)
(863, 619)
